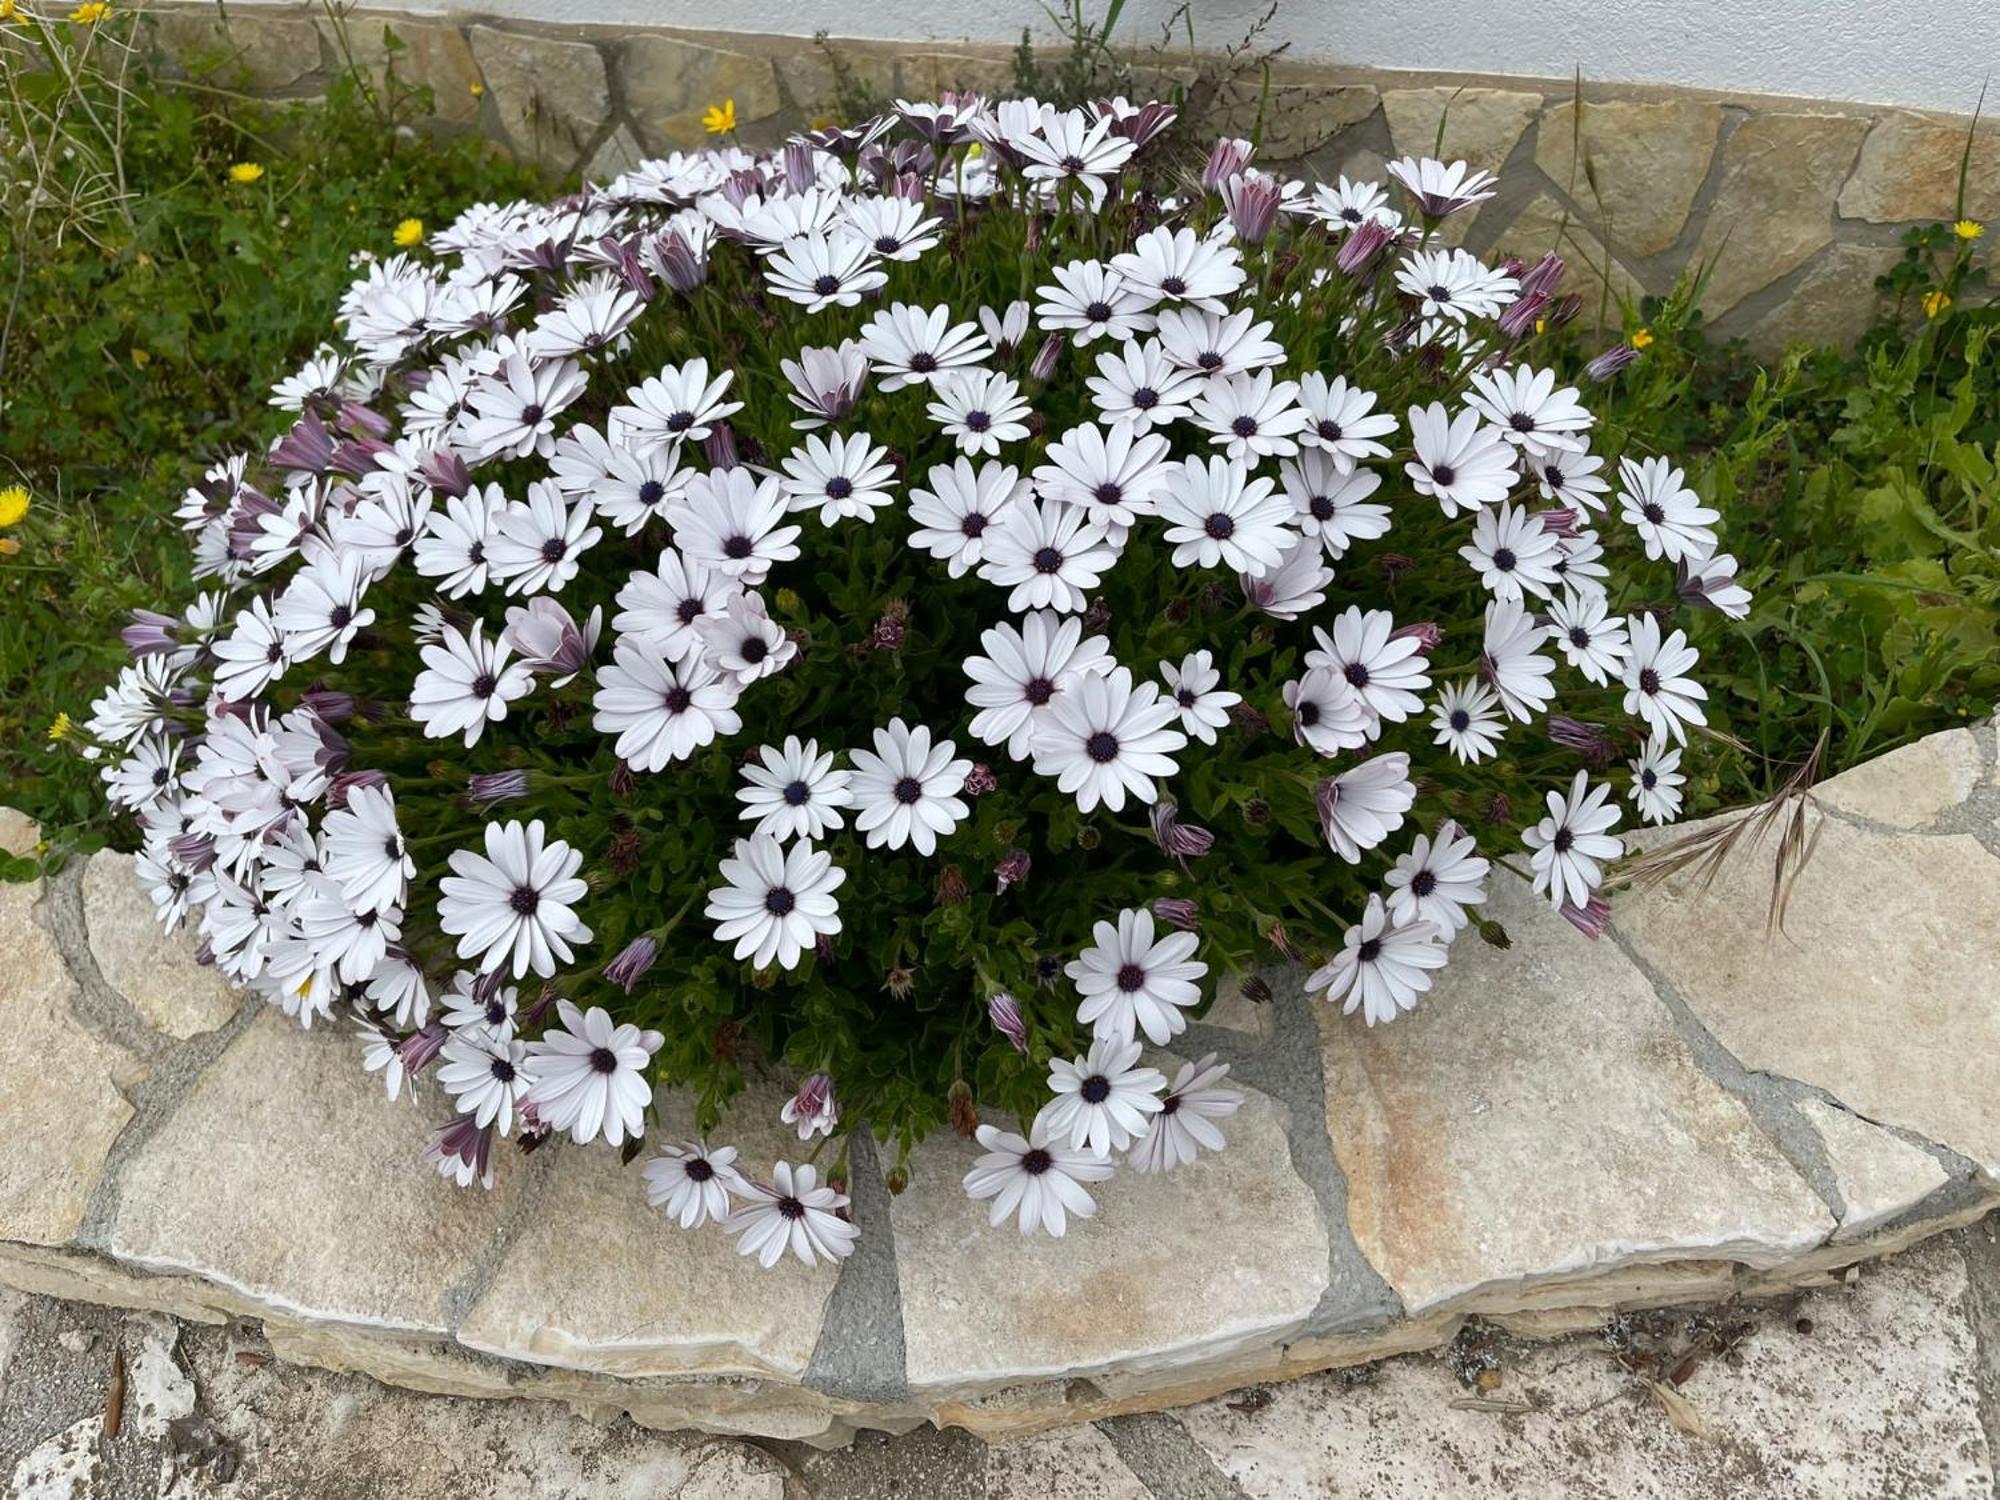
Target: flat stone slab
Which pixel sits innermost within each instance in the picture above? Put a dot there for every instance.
(1683, 1112)
(1537, 1117)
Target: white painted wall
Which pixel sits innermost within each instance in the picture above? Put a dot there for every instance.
(1927, 54)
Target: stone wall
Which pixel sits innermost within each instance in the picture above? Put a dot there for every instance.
(1798, 205)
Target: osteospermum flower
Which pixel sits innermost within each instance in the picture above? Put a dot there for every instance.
(513, 905)
(1570, 847)
(1077, 147)
(775, 902)
(694, 1183)
(1132, 980)
(1104, 1098)
(1185, 1122)
(1512, 552)
(906, 790)
(365, 853)
(662, 608)
(1383, 967)
(822, 269)
(1459, 461)
(1361, 807)
(1385, 667)
(485, 1077)
(895, 228)
(1510, 661)
(466, 684)
(1657, 782)
(1196, 688)
(1669, 517)
(590, 1077)
(1047, 553)
(1437, 880)
(1591, 639)
(913, 345)
(1454, 286)
(794, 1213)
(1330, 506)
(1089, 301)
(794, 791)
(1218, 515)
(1328, 713)
(538, 545)
(1107, 737)
(1441, 188)
(1250, 416)
(843, 477)
(681, 404)
(454, 543)
(1657, 687)
(734, 525)
(662, 710)
(1218, 345)
(1022, 670)
(1571, 476)
(1037, 1178)
(1341, 420)
(958, 506)
(1172, 266)
(1137, 386)
(514, 410)
(1114, 475)
(979, 409)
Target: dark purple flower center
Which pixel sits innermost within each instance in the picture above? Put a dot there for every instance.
(1652, 512)
(1048, 560)
(887, 244)
(1563, 840)
(1221, 526)
(1173, 286)
(341, 617)
(1521, 422)
(603, 1060)
(923, 361)
(1369, 951)
(1145, 398)
(553, 549)
(1208, 359)
(698, 1169)
(503, 1070)
(1356, 673)
(483, 685)
(1309, 713)
(826, 286)
(1102, 747)
(972, 524)
(677, 699)
(1504, 559)
(1330, 430)
(779, 900)
(1072, 164)
(738, 547)
(1096, 1089)
(680, 421)
(1443, 474)
(1649, 681)
(531, 414)
(977, 421)
(1423, 883)
(1579, 637)
(1185, 697)
(1038, 690)
(797, 794)
(651, 491)
(755, 650)
(839, 487)
(1131, 978)
(791, 1208)
(1098, 312)
(1244, 427)
(1460, 720)
(909, 790)
(524, 900)
(1036, 1162)
(688, 611)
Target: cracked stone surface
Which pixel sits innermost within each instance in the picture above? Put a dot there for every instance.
(152, 969)
(1880, 1175)
(1910, 787)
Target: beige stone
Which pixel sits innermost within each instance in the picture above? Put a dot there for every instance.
(1074, 1463)
(1233, 1010)
(551, 96)
(1537, 1118)
(1909, 170)
(61, 1109)
(1642, 161)
(272, 54)
(1481, 127)
(1292, 120)
(669, 81)
(20, 835)
(1881, 989)
(926, 75)
(1910, 786)
(1543, 225)
(85, 1276)
(285, 1175)
(621, 152)
(1154, 1280)
(651, 1298)
(1773, 205)
(430, 53)
(813, 83)
(152, 968)
(1834, 302)
(1879, 1175)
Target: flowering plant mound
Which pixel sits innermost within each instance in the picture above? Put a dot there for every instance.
(917, 609)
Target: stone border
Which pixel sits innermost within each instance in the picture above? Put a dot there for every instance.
(1685, 1112)
(1796, 205)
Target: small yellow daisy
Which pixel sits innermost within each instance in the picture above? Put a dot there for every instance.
(409, 232)
(90, 12)
(1968, 229)
(1935, 303)
(719, 119)
(245, 171)
(140, 357)
(13, 505)
(60, 728)
(10, 11)
(1642, 338)
(478, 89)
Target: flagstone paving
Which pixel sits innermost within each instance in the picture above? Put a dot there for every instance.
(1685, 1111)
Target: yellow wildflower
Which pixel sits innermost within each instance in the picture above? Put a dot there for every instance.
(10, 11)
(409, 232)
(90, 12)
(140, 357)
(245, 171)
(60, 728)
(1935, 303)
(478, 89)
(719, 119)
(1642, 338)
(1968, 229)
(13, 505)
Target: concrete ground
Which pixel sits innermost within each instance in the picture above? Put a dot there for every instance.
(1887, 1386)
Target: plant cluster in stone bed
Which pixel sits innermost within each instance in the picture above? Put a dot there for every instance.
(917, 610)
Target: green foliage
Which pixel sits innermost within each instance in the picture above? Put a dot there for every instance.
(149, 315)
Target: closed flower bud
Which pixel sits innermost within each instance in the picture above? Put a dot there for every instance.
(1610, 362)
(951, 887)
(1177, 911)
(720, 447)
(1493, 933)
(1499, 808)
(1426, 633)
(486, 788)
(964, 1117)
(1012, 869)
(1004, 1011)
(1256, 812)
(623, 781)
(1043, 370)
(1519, 317)
(1098, 616)
(980, 780)
(633, 961)
(1591, 918)
(896, 1180)
(1256, 990)
(1087, 837)
(1227, 157)
(1362, 244)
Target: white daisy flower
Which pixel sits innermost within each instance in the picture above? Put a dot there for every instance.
(1669, 517)
(1388, 670)
(365, 853)
(590, 1077)
(1132, 981)
(515, 900)
(1510, 661)
(1007, 327)
(1196, 688)
(351, 943)
(1512, 552)
(734, 525)
(1090, 300)
(1103, 1100)
(1361, 807)
(466, 684)
(775, 902)
(1216, 344)
(813, 1109)
(681, 404)
(249, 659)
(1174, 266)
(1295, 587)
(1113, 474)
(825, 268)
(1455, 286)
(399, 990)
(1591, 639)
(539, 544)
(844, 477)
(744, 642)
(693, 1183)
(662, 608)
(147, 774)
(1572, 478)
(1348, 205)
(1035, 1178)
(1657, 782)
(485, 1077)
(794, 1213)
(1250, 416)
(1328, 714)
(1048, 554)
(1107, 737)
(979, 409)
(1657, 687)
(515, 407)
(381, 1054)
(1025, 667)
(895, 228)
(1186, 1120)
(482, 1001)
(455, 540)
(1530, 411)
(1711, 584)
(826, 382)
(662, 710)
(1341, 420)
(1459, 461)
(794, 792)
(1382, 968)
(910, 345)
(906, 790)
(1437, 880)
(1330, 506)
(1074, 146)
(1571, 845)
(1217, 515)
(960, 506)
(1441, 188)
(1137, 387)
(639, 485)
